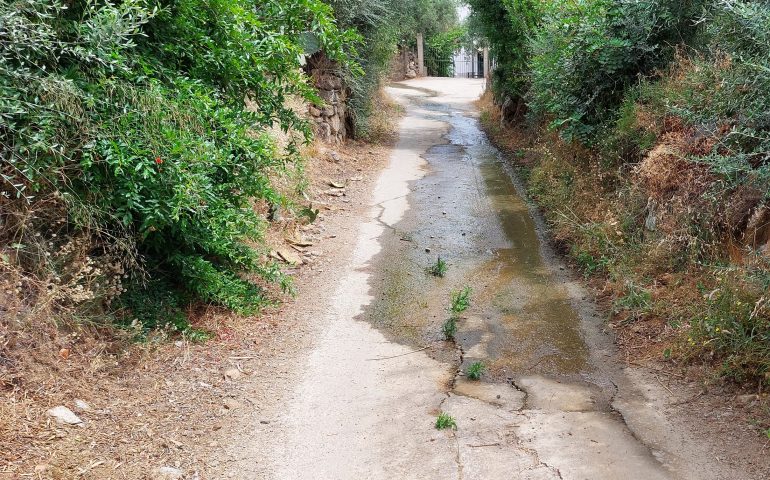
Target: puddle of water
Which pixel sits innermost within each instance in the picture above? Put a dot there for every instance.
(521, 323)
(542, 328)
(468, 211)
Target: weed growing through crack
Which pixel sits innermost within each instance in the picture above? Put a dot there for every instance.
(475, 370)
(450, 328)
(461, 300)
(444, 421)
(438, 269)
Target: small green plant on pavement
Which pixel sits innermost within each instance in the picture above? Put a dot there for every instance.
(450, 328)
(444, 421)
(475, 370)
(438, 269)
(461, 300)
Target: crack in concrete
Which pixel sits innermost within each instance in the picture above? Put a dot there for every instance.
(458, 460)
(553, 469)
(378, 218)
(539, 463)
(522, 390)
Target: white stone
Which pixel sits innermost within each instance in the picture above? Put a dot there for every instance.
(168, 473)
(64, 415)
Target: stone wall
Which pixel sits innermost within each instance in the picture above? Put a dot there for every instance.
(329, 119)
(412, 70)
(403, 66)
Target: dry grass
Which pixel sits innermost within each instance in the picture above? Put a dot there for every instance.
(150, 403)
(598, 215)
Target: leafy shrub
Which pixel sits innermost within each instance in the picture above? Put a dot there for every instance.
(506, 25)
(130, 120)
(586, 54)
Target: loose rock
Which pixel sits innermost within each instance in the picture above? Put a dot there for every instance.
(168, 473)
(64, 415)
(289, 256)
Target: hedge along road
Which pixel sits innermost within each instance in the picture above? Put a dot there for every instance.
(553, 402)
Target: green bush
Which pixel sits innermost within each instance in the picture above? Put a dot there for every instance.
(724, 92)
(506, 26)
(586, 54)
(129, 118)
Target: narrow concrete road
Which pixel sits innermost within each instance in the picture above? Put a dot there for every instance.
(553, 402)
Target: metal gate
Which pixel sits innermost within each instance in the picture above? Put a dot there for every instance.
(438, 64)
(460, 63)
(468, 64)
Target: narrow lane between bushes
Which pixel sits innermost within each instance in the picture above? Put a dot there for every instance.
(553, 400)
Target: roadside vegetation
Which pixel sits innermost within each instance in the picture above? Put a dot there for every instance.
(147, 146)
(439, 268)
(641, 129)
(135, 179)
(475, 370)
(444, 421)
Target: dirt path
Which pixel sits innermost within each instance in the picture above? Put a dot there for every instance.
(359, 397)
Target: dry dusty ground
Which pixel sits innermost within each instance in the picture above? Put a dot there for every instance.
(165, 403)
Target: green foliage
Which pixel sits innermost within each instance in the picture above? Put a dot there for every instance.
(444, 421)
(153, 305)
(442, 47)
(627, 140)
(506, 26)
(439, 268)
(461, 300)
(724, 92)
(734, 326)
(636, 300)
(475, 370)
(196, 335)
(383, 25)
(588, 262)
(132, 117)
(586, 54)
(449, 328)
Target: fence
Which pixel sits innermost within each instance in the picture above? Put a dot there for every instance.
(460, 64)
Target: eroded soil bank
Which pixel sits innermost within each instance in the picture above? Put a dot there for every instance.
(554, 402)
